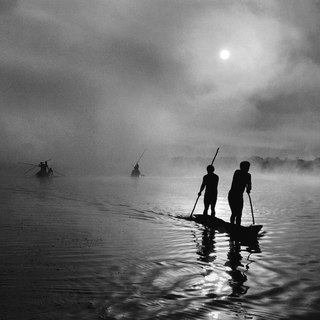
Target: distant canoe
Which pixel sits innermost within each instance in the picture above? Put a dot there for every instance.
(135, 173)
(43, 174)
(241, 232)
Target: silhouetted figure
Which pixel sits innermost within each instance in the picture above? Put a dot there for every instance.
(50, 172)
(43, 170)
(241, 181)
(135, 172)
(43, 167)
(210, 183)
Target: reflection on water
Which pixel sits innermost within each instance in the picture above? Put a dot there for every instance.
(236, 266)
(239, 268)
(206, 249)
(115, 249)
(238, 277)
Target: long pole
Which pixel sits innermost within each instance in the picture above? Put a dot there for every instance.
(251, 207)
(141, 155)
(31, 169)
(194, 206)
(61, 174)
(29, 164)
(214, 158)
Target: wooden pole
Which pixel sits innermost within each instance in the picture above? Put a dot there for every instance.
(214, 158)
(251, 207)
(31, 169)
(141, 155)
(194, 206)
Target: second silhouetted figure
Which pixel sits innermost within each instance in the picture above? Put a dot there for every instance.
(241, 181)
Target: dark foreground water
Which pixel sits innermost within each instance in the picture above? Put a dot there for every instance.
(117, 248)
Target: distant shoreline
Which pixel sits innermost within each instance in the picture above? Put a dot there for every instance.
(262, 163)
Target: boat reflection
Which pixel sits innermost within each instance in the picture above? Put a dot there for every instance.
(218, 281)
(239, 267)
(206, 249)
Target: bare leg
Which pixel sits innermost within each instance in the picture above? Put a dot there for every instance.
(236, 206)
(239, 212)
(238, 219)
(233, 215)
(213, 206)
(206, 207)
(233, 209)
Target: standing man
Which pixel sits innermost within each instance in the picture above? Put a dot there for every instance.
(43, 168)
(241, 181)
(135, 172)
(210, 183)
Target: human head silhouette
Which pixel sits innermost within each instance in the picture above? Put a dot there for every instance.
(245, 165)
(210, 168)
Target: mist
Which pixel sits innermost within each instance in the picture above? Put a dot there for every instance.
(92, 84)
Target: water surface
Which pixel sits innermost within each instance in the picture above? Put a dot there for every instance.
(119, 248)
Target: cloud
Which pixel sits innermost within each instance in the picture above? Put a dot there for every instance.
(101, 81)
(7, 5)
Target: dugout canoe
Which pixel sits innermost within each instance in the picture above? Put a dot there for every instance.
(241, 232)
(41, 175)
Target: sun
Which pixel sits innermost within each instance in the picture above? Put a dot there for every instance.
(224, 54)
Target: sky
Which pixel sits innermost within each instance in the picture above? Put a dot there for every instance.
(94, 83)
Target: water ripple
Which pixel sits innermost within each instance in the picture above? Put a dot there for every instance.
(118, 249)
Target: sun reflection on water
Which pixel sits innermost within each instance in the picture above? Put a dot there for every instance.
(214, 315)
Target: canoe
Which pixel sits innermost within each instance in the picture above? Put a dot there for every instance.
(241, 232)
(43, 174)
(135, 173)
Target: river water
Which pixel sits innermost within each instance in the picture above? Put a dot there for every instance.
(120, 248)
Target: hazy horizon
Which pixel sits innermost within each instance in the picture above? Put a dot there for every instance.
(171, 167)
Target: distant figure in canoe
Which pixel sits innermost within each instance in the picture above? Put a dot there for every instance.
(241, 181)
(135, 172)
(210, 183)
(43, 169)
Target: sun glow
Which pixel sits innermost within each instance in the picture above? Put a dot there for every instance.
(224, 54)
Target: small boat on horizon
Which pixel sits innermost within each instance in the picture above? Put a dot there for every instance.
(136, 172)
(47, 174)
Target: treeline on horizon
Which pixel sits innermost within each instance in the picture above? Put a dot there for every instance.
(257, 162)
(277, 163)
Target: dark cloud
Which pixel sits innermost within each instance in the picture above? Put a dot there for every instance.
(35, 90)
(296, 104)
(133, 59)
(7, 5)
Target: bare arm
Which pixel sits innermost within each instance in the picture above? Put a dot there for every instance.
(202, 187)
